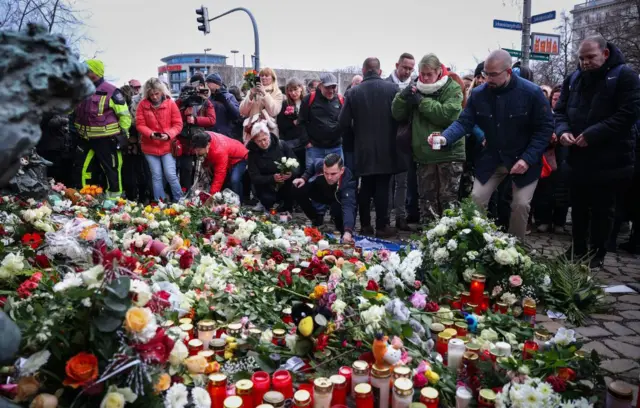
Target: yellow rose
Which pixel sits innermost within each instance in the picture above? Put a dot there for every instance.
(44, 401)
(163, 383)
(113, 400)
(196, 364)
(136, 319)
(27, 387)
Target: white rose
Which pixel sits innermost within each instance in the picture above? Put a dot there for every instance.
(338, 306)
(13, 262)
(284, 160)
(452, 245)
(113, 400)
(178, 354)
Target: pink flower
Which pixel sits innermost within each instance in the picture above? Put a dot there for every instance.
(497, 290)
(515, 280)
(384, 254)
(230, 288)
(289, 110)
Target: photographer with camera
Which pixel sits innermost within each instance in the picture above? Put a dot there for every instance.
(197, 113)
(225, 104)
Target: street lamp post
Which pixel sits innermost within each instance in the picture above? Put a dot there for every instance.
(234, 52)
(256, 37)
(206, 66)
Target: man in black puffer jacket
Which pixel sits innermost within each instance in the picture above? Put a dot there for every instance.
(598, 107)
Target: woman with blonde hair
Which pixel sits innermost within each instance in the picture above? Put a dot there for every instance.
(264, 102)
(293, 133)
(158, 122)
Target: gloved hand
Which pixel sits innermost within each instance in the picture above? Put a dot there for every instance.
(408, 92)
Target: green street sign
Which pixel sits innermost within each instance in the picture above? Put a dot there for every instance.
(513, 53)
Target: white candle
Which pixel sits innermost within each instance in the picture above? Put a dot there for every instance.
(360, 374)
(455, 353)
(322, 393)
(504, 349)
(380, 382)
(402, 393)
(463, 397)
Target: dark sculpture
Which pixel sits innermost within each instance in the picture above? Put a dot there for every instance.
(38, 74)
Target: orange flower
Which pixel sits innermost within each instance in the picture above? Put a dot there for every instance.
(163, 383)
(318, 291)
(81, 369)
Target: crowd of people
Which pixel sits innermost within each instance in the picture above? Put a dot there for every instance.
(410, 144)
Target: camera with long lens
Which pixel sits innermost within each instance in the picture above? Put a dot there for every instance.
(191, 96)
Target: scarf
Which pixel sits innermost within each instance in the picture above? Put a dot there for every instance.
(401, 84)
(428, 89)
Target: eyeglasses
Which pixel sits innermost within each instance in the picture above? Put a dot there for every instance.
(486, 74)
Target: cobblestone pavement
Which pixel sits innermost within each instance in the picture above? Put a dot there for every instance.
(614, 334)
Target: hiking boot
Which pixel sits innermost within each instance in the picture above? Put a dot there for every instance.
(366, 230)
(402, 225)
(386, 232)
(596, 262)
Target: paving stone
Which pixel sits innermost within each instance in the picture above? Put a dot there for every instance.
(541, 318)
(630, 299)
(600, 348)
(635, 326)
(635, 286)
(552, 327)
(635, 340)
(626, 306)
(619, 365)
(617, 328)
(631, 315)
(608, 317)
(593, 331)
(624, 349)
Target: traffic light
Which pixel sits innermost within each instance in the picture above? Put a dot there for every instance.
(203, 12)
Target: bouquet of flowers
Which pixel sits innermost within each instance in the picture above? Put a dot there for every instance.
(286, 165)
(251, 78)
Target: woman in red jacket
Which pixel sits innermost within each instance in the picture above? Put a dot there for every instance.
(158, 122)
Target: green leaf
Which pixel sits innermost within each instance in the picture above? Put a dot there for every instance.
(407, 331)
(107, 323)
(120, 287)
(116, 304)
(369, 294)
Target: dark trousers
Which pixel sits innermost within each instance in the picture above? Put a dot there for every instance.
(309, 192)
(413, 207)
(60, 170)
(136, 178)
(550, 202)
(376, 187)
(268, 195)
(100, 160)
(593, 207)
(185, 170)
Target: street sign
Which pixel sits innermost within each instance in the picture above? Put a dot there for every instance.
(538, 57)
(539, 18)
(545, 43)
(507, 25)
(513, 53)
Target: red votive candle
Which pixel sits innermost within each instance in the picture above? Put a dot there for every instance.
(217, 388)
(283, 383)
(346, 372)
(339, 390)
(363, 395)
(286, 316)
(464, 298)
(485, 302)
(529, 347)
(477, 289)
(244, 390)
(261, 385)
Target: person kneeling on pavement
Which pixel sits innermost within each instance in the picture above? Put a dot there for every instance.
(225, 161)
(265, 164)
(329, 182)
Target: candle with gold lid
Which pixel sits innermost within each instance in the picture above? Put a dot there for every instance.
(302, 398)
(477, 289)
(322, 392)
(401, 372)
(380, 377)
(206, 332)
(487, 398)
(430, 397)
(244, 390)
(360, 373)
(233, 402)
(234, 330)
(402, 393)
(185, 320)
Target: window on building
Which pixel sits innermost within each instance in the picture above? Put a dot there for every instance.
(587, 19)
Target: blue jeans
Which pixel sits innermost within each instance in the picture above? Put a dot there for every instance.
(166, 165)
(319, 153)
(234, 178)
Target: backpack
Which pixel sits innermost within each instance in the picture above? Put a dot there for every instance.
(312, 97)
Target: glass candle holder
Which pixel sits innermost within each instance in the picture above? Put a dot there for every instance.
(529, 311)
(462, 329)
(363, 395)
(286, 316)
(301, 399)
(283, 383)
(401, 372)
(234, 330)
(484, 305)
(274, 398)
(279, 337)
(206, 332)
(188, 329)
(430, 397)
(443, 344)
(360, 374)
(402, 393)
(381, 384)
(455, 351)
(244, 390)
(261, 385)
(217, 389)
(456, 303)
(436, 329)
(470, 361)
(194, 346)
(501, 308)
(464, 298)
(477, 288)
(233, 402)
(463, 397)
(339, 390)
(347, 373)
(487, 398)
(218, 346)
(322, 393)
(504, 349)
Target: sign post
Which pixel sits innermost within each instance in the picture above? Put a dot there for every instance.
(539, 18)
(507, 25)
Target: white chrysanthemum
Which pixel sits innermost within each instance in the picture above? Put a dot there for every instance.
(142, 291)
(70, 280)
(452, 245)
(177, 396)
(440, 230)
(441, 255)
(545, 389)
(472, 255)
(13, 262)
(375, 273)
(34, 362)
(201, 398)
(390, 281)
(503, 257)
(93, 277)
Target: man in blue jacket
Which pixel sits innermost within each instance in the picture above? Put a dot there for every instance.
(329, 182)
(224, 103)
(517, 122)
(595, 118)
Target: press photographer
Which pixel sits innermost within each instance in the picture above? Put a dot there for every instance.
(197, 113)
(225, 104)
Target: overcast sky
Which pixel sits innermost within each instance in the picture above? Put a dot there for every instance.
(132, 35)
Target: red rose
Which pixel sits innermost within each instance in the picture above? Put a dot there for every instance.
(285, 278)
(431, 307)
(567, 374)
(42, 261)
(157, 350)
(186, 260)
(277, 257)
(373, 286)
(33, 240)
(419, 380)
(558, 384)
(338, 253)
(322, 342)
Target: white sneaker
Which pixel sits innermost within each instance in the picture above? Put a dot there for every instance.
(543, 227)
(258, 207)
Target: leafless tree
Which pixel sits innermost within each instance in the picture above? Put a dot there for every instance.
(559, 66)
(623, 30)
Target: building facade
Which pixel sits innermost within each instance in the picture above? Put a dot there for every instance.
(591, 15)
(177, 69)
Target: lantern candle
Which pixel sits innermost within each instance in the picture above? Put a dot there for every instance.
(363, 395)
(217, 388)
(529, 311)
(302, 398)
(380, 381)
(244, 390)
(430, 397)
(448, 324)
(436, 329)
(542, 339)
(233, 402)
(261, 385)
(217, 345)
(360, 374)
(501, 307)
(454, 353)
(456, 304)
(402, 372)
(283, 383)
(234, 330)
(470, 359)
(286, 316)
(194, 346)
(188, 329)
(339, 390)
(463, 397)
(279, 337)
(487, 398)
(464, 298)
(484, 305)
(477, 288)
(443, 344)
(322, 390)
(273, 398)
(402, 393)
(461, 329)
(205, 332)
(255, 333)
(529, 347)
(346, 372)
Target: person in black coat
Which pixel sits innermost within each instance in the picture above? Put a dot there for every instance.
(598, 107)
(271, 187)
(293, 133)
(367, 108)
(56, 146)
